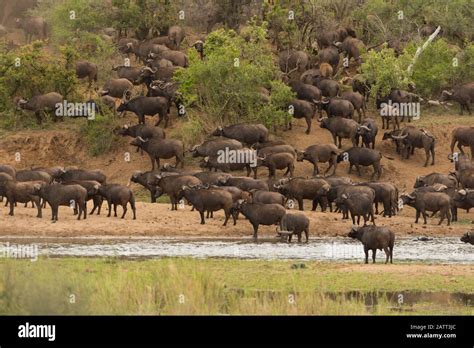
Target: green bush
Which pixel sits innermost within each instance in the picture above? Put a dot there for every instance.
(144, 16)
(29, 71)
(378, 20)
(385, 70)
(432, 72)
(433, 69)
(78, 23)
(99, 134)
(224, 87)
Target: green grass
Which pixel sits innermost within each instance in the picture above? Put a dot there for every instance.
(211, 286)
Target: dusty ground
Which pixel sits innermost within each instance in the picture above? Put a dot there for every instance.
(159, 220)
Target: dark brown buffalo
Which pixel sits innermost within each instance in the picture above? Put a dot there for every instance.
(74, 196)
(320, 154)
(361, 156)
(463, 136)
(172, 185)
(463, 94)
(21, 192)
(341, 128)
(209, 200)
(116, 194)
(295, 223)
(429, 201)
(276, 161)
(161, 148)
(261, 214)
(300, 189)
(373, 238)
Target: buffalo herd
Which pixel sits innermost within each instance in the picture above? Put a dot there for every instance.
(262, 201)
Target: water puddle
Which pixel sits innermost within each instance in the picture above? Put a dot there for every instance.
(398, 300)
(437, 250)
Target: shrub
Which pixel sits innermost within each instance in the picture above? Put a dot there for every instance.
(432, 72)
(29, 71)
(385, 70)
(224, 87)
(379, 20)
(433, 69)
(78, 23)
(99, 134)
(144, 16)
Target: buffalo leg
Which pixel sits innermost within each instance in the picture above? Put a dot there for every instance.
(134, 210)
(38, 206)
(115, 210)
(124, 210)
(427, 152)
(316, 169)
(54, 211)
(417, 216)
(235, 216)
(387, 254)
(374, 253)
(366, 251)
(308, 123)
(110, 207)
(12, 208)
(80, 207)
(227, 215)
(152, 159)
(255, 231)
(306, 233)
(300, 204)
(424, 216)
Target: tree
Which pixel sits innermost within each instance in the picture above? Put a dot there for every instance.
(225, 87)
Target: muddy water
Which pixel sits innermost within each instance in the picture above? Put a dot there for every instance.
(442, 250)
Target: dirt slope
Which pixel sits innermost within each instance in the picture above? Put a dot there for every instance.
(63, 146)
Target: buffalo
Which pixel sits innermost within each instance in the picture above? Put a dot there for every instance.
(261, 214)
(245, 133)
(320, 154)
(373, 238)
(296, 224)
(161, 148)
